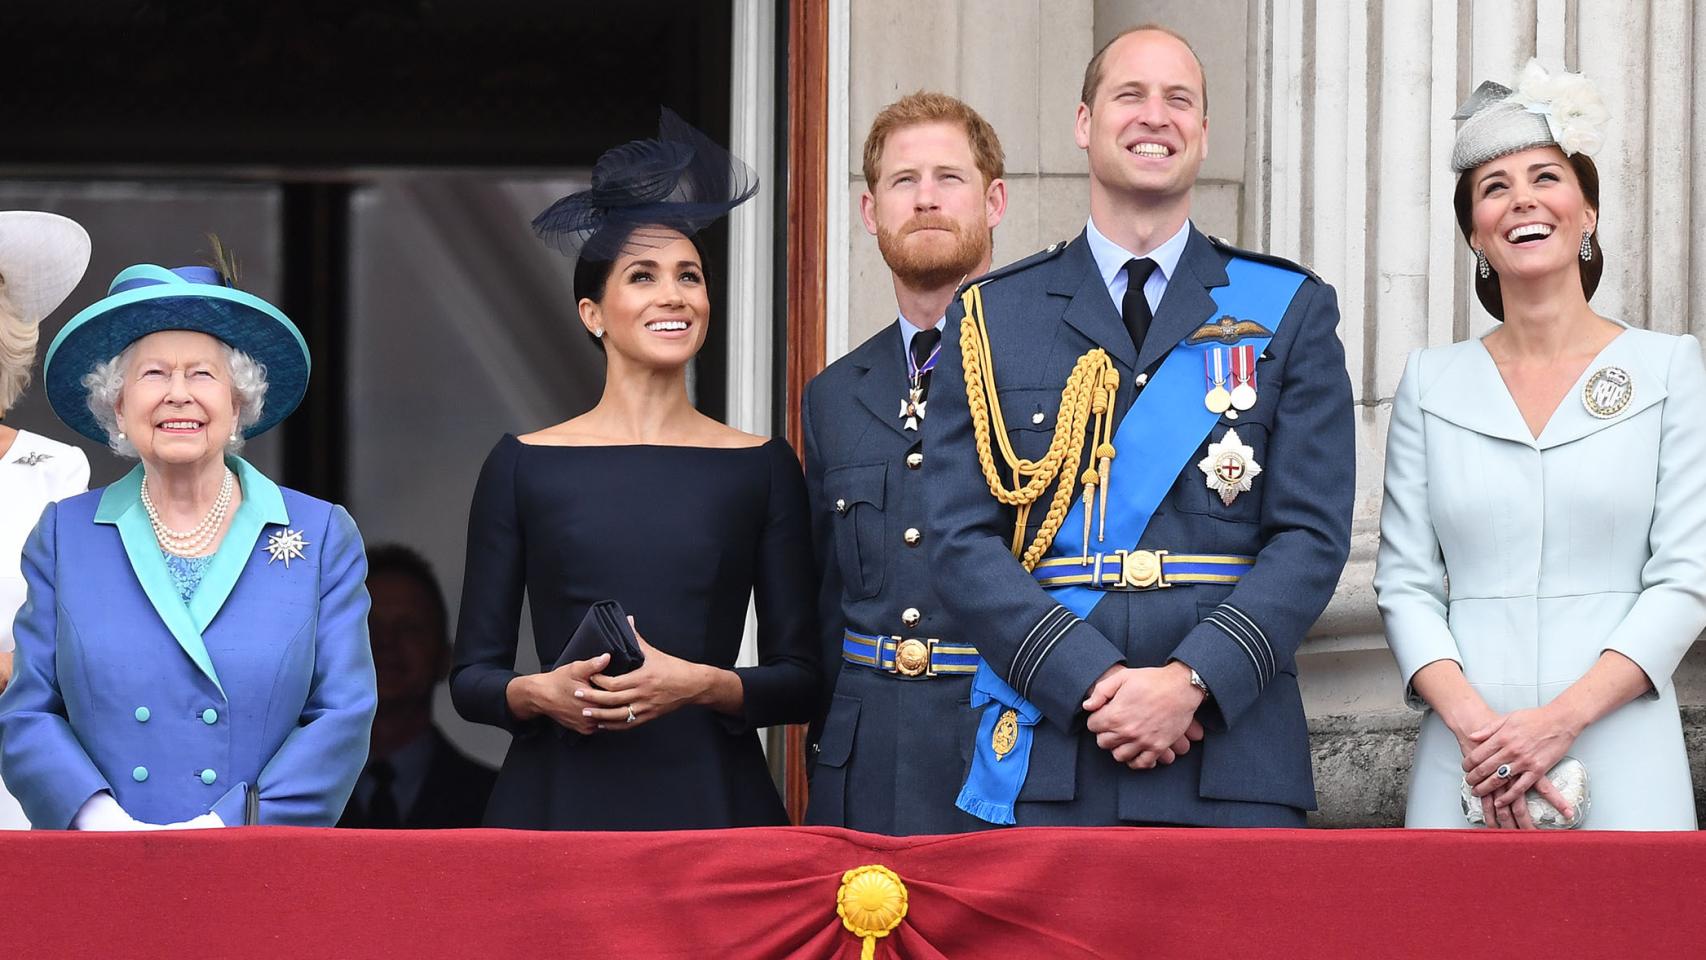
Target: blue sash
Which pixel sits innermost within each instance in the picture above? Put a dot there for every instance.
(1156, 439)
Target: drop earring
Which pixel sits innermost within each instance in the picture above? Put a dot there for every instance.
(1587, 245)
(1481, 264)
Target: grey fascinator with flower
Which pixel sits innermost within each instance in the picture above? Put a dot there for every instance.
(1546, 109)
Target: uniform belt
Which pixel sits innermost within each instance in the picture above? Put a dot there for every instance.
(908, 656)
(1141, 570)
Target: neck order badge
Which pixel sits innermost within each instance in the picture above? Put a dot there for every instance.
(1167, 422)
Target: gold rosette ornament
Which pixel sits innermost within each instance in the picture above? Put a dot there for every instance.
(871, 902)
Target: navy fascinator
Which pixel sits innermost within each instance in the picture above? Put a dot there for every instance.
(682, 181)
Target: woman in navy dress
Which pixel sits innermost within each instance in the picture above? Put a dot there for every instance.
(649, 502)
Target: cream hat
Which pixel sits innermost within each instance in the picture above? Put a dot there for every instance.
(42, 256)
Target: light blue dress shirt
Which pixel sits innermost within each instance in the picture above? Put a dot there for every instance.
(1111, 260)
(907, 331)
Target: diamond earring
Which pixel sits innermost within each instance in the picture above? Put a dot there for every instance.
(599, 333)
(1481, 264)
(1587, 245)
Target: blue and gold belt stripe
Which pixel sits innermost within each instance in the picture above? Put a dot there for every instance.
(908, 656)
(1141, 570)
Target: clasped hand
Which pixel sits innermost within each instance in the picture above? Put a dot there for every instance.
(1145, 716)
(1531, 742)
(595, 701)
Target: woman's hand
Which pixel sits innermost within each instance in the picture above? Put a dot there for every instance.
(556, 694)
(661, 685)
(5, 670)
(1531, 742)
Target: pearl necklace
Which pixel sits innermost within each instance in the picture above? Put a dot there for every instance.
(193, 542)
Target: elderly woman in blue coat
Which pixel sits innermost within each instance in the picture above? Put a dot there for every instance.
(193, 647)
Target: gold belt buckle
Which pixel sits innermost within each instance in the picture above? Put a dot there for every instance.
(912, 656)
(1142, 570)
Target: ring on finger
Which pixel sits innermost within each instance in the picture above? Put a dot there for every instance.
(1504, 772)
(631, 718)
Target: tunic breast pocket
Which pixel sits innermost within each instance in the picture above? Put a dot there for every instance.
(1030, 416)
(855, 493)
(1224, 478)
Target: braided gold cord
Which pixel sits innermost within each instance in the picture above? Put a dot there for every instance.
(1089, 390)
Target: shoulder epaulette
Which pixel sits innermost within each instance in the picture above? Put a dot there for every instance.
(1260, 257)
(1041, 256)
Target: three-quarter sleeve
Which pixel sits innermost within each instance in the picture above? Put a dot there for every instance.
(310, 777)
(783, 687)
(493, 582)
(1409, 573)
(47, 769)
(1671, 610)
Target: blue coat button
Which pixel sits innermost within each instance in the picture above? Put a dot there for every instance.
(208, 776)
(142, 714)
(139, 774)
(210, 716)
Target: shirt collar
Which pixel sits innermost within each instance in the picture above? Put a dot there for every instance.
(907, 330)
(1111, 257)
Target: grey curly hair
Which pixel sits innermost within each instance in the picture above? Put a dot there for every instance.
(106, 381)
(17, 351)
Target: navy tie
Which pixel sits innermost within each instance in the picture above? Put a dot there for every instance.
(1134, 310)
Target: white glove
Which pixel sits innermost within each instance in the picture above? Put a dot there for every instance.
(207, 821)
(101, 812)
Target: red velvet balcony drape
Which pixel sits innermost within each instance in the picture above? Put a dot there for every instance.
(762, 893)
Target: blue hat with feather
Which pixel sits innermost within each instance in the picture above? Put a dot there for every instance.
(147, 299)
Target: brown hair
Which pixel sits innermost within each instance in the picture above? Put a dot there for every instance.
(1487, 288)
(1093, 69)
(929, 107)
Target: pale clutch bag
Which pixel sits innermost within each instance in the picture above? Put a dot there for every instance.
(1570, 776)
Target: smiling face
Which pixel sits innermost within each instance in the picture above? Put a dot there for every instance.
(930, 209)
(177, 405)
(1147, 130)
(655, 306)
(1528, 213)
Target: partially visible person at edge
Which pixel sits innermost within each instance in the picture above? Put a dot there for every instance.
(1187, 404)
(1561, 435)
(42, 256)
(888, 757)
(193, 649)
(415, 777)
(646, 501)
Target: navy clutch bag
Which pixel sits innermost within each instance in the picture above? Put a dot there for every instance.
(604, 629)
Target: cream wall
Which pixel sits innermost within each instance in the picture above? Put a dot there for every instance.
(1330, 131)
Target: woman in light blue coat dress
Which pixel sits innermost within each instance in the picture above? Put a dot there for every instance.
(1542, 567)
(192, 651)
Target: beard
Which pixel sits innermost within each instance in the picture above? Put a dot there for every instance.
(930, 264)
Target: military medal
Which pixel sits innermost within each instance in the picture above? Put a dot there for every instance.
(1006, 734)
(1608, 392)
(1243, 377)
(912, 406)
(1214, 371)
(1230, 467)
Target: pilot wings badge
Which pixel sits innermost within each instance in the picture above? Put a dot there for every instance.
(1230, 467)
(1228, 330)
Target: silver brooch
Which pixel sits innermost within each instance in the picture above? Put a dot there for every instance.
(285, 545)
(1608, 392)
(32, 458)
